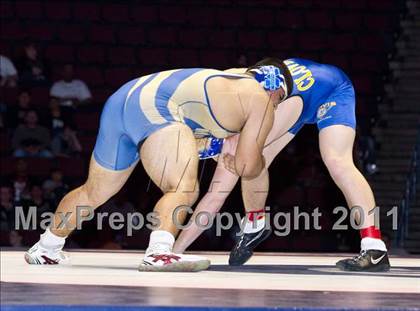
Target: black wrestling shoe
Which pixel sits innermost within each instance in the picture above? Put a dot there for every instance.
(368, 261)
(243, 249)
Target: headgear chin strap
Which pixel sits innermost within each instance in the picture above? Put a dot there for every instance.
(271, 78)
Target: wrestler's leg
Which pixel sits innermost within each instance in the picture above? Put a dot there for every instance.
(221, 185)
(336, 146)
(169, 156)
(255, 191)
(100, 185)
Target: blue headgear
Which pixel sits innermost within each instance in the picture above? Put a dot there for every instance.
(271, 78)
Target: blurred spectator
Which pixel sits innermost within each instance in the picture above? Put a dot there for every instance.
(7, 210)
(66, 143)
(70, 92)
(16, 113)
(31, 139)
(20, 181)
(56, 119)
(54, 187)
(33, 69)
(8, 72)
(37, 199)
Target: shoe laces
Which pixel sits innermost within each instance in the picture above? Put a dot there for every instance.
(360, 256)
(158, 248)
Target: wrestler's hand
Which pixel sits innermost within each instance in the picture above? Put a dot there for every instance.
(229, 162)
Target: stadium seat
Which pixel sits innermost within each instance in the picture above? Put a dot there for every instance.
(163, 36)
(57, 10)
(12, 30)
(326, 4)
(73, 167)
(341, 42)
(4, 144)
(281, 40)
(117, 76)
(362, 62)
(312, 41)
(91, 54)
(289, 19)
(363, 84)
(29, 9)
(348, 21)
(201, 16)
(370, 43)
(36, 166)
(337, 59)
(100, 95)
(40, 96)
(184, 58)
(72, 33)
(101, 34)
(8, 96)
(121, 56)
(144, 13)
(214, 59)
(378, 22)
(39, 31)
(87, 142)
(60, 53)
(172, 14)
(156, 56)
(195, 37)
(115, 13)
(132, 35)
(92, 75)
(251, 39)
(87, 121)
(222, 38)
(85, 11)
(6, 8)
(230, 17)
(318, 19)
(265, 17)
(384, 5)
(354, 4)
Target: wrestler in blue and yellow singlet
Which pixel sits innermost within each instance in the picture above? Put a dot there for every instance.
(147, 104)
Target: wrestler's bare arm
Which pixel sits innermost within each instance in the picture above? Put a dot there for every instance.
(259, 110)
(220, 187)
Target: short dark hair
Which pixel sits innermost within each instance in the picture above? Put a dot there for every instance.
(276, 63)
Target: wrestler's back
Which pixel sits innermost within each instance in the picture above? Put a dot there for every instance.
(209, 101)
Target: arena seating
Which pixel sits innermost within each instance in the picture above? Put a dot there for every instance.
(111, 44)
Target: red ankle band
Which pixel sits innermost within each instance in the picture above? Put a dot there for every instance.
(255, 215)
(370, 232)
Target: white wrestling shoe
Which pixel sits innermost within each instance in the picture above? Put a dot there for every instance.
(160, 259)
(39, 255)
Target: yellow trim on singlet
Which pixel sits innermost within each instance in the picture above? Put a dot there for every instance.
(148, 96)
